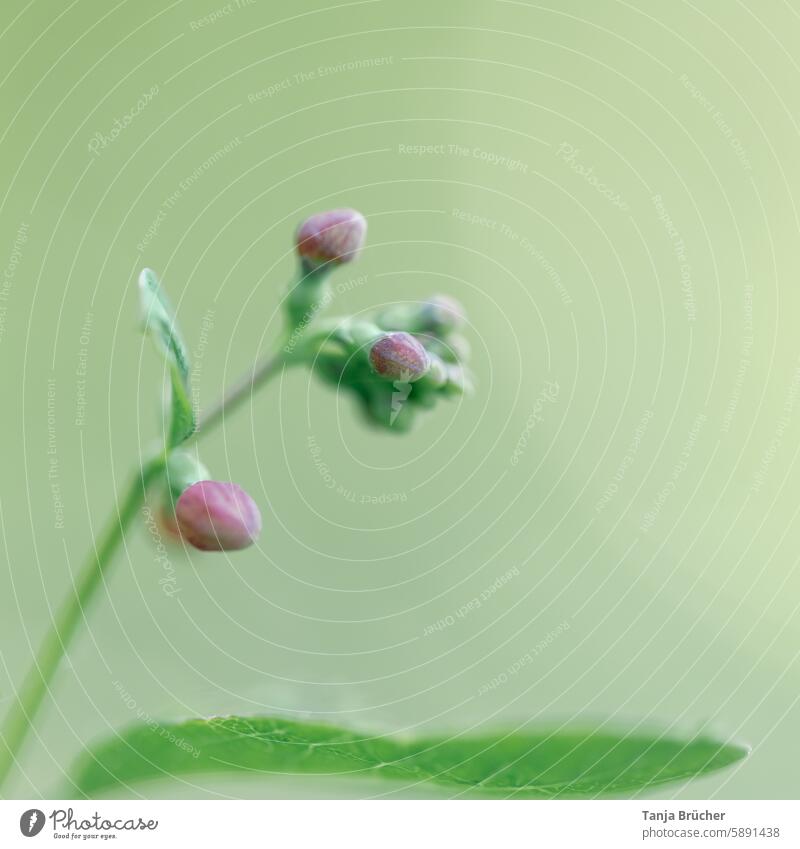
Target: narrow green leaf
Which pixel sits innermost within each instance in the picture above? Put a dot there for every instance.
(159, 321)
(538, 764)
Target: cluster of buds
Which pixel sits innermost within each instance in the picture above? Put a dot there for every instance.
(395, 362)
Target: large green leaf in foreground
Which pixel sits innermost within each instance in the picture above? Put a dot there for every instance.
(542, 764)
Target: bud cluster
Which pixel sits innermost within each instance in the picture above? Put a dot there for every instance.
(397, 361)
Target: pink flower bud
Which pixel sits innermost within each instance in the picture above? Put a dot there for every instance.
(399, 356)
(167, 523)
(217, 516)
(335, 236)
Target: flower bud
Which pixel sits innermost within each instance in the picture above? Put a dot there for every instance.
(399, 356)
(183, 469)
(335, 237)
(440, 315)
(217, 516)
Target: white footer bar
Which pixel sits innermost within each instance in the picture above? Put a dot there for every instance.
(403, 824)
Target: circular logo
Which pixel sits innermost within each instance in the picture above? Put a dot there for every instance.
(31, 822)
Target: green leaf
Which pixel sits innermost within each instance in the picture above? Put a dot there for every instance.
(159, 321)
(526, 764)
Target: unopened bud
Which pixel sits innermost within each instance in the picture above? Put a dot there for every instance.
(399, 356)
(335, 236)
(217, 516)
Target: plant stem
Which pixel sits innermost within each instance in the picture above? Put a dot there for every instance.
(38, 680)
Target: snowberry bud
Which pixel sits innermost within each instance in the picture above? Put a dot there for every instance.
(217, 516)
(399, 356)
(335, 236)
(441, 314)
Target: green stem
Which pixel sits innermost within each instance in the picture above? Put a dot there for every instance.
(240, 392)
(38, 680)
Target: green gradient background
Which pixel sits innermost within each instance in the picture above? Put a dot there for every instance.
(691, 623)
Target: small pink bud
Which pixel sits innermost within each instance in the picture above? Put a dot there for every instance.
(458, 380)
(217, 516)
(335, 236)
(399, 356)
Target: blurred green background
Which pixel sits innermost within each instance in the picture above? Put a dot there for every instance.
(608, 187)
